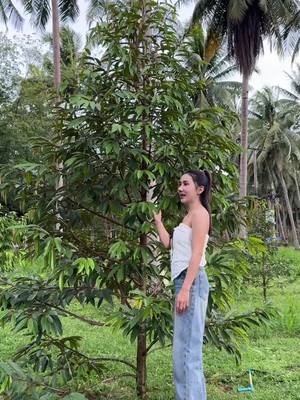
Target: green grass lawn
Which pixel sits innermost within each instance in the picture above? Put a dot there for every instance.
(273, 353)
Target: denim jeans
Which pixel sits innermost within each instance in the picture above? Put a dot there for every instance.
(188, 339)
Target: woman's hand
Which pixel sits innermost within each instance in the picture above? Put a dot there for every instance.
(164, 236)
(182, 300)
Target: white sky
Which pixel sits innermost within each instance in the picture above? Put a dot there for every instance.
(271, 68)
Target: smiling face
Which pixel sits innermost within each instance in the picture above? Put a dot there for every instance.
(188, 191)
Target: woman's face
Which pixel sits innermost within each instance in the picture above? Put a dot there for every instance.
(188, 191)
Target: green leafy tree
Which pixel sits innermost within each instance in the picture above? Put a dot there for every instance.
(40, 12)
(26, 117)
(265, 265)
(16, 56)
(10, 234)
(23, 113)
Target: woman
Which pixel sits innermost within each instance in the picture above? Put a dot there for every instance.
(188, 246)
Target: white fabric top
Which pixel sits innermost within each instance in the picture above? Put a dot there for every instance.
(181, 251)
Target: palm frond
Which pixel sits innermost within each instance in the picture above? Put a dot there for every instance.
(180, 3)
(282, 11)
(96, 10)
(8, 12)
(70, 46)
(296, 49)
(196, 37)
(288, 94)
(3, 16)
(237, 10)
(28, 6)
(293, 23)
(255, 114)
(228, 70)
(40, 12)
(68, 9)
(230, 85)
(203, 9)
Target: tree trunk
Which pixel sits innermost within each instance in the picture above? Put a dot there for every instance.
(289, 210)
(298, 198)
(56, 44)
(244, 144)
(141, 357)
(284, 225)
(255, 173)
(264, 280)
(280, 225)
(297, 187)
(141, 370)
(146, 195)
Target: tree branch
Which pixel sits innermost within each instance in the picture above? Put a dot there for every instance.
(100, 215)
(99, 359)
(158, 348)
(87, 320)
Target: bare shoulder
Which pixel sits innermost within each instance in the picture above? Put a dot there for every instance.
(200, 217)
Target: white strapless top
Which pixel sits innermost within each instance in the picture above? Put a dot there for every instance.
(181, 251)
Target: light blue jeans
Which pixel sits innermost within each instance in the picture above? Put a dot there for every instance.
(188, 340)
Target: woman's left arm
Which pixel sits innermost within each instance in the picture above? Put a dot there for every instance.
(200, 226)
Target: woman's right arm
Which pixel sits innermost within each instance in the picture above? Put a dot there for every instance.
(162, 232)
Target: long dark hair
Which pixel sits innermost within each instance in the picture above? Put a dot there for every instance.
(203, 178)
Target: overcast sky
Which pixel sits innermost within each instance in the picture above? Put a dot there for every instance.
(271, 68)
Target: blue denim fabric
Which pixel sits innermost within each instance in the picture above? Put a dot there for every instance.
(188, 339)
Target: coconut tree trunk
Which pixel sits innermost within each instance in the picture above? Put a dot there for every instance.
(244, 144)
(280, 225)
(255, 172)
(56, 44)
(297, 186)
(289, 210)
(284, 224)
(244, 137)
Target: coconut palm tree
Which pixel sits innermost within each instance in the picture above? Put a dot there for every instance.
(40, 14)
(277, 144)
(41, 11)
(214, 71)
(70, 44)
(243, 25)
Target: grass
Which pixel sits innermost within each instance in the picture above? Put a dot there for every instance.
(292, 257)
(273, 353)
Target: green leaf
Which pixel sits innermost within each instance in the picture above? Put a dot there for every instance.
(61, 281)
(116, 128)
(118, 250)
